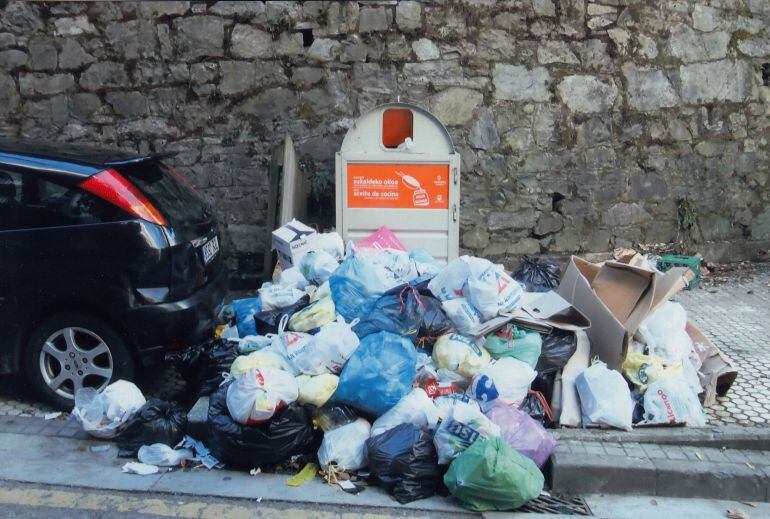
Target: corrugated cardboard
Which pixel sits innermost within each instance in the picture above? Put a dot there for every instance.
(291, 241)
(614, 320)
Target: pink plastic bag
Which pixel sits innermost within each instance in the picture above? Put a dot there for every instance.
(382, 238)
(522, 433)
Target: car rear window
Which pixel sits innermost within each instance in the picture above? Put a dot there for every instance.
(169, 192)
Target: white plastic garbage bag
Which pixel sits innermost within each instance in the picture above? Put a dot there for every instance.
(333, 345)
(323, 290)
(329, 242)
(448, 284)
(104, 414)
(463, 355)
(462, 313)
(316, 390)
(252, 343)
(345, 446)
(447, 402)
(665, 334)
(264, 358)
(671, 399)
(507, 379)
(317, 266)
(463, 425)
(570, 403)
(605, 397)
(293, 345)
(275, 297)
(162, 455)
(416, 408)
(292, 278)
(493, 292)
(256, 395)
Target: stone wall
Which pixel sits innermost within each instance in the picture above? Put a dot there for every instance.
(582, 126)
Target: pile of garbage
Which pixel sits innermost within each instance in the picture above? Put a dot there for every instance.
(383, 365)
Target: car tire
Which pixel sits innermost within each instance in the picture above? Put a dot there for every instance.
(72, 350)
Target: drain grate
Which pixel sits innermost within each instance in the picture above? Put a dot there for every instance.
(546, 504)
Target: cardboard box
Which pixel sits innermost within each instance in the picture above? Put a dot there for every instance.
(291, 241)
(617, 296)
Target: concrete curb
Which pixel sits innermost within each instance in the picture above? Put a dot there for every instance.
(730, 436)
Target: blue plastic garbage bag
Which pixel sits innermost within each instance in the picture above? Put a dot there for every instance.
(364, 272)
(245, 309)
(378, 374)
(351, 300)
(399, 311)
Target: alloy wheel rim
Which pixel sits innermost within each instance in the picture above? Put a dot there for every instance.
(73, 358)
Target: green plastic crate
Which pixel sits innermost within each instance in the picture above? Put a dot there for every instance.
(673, 260)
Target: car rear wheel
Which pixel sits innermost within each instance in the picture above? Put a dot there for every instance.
(71, 351)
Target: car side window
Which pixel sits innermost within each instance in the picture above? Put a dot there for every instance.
(28, 201)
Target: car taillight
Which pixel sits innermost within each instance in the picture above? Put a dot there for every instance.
(113, 187)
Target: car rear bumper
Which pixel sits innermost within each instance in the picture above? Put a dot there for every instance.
(158, 328)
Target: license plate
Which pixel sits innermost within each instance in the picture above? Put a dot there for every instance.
(210, 249)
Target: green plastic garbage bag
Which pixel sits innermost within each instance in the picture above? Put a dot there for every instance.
(511, 341)
(490, 475)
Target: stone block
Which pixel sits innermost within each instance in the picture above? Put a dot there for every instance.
(155, 9)
(104, 74)
(690, 46)
(73, 56)
(200, 36)
(425, 50)
(408, 15)
(725, 80)
(648, 90)
(10, 59)
(556, 52)
(518, 83)
(373, 19)
(133, 39)
(9, 94)
(324, 49)
(454, 106)
(73, 26)
(587, 94)
(127, 104)
(240, 9)
(483, 134)
(37, 84)
(249, 42)
(625, 213)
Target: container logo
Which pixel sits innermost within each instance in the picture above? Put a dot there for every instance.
(398, 186)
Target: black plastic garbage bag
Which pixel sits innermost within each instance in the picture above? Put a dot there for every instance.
(398, 311)
(557, 348)
(537, 407)
(403, 460)
(288, 433)
(202, 366)
(157, 421)
(267, 322)
(537, 275)
(433, 324)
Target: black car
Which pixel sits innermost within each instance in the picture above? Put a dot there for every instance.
(107, 261)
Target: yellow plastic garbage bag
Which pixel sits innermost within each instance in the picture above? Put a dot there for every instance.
(314, 316)
(318, 389)
(460, 354)
(259, 359)
(643, 370)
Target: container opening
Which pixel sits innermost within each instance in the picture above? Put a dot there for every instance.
(397, 125)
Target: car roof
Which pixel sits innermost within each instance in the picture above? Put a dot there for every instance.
(65, 158)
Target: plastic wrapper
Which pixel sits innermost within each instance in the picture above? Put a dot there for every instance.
(671, 399)
(490, 475)
(276, 297)
(449, 283)
(605, 397)
(460, 354)
(331, 415)
(244, 310)
(403, 461)
(317, 266)
(327, 351)
(643, 370)
(511, 341)
(506, 380)
(556, 350)
(105, 414)
(255, 396)
(446, 402)
(161, 455)
(267, 322)
(288, 433)
(329, 242)
(665, 334)
(378, 374)
(415, 408)
(157, 421)
(492, 292)
(537, 275)
(345, 446)
(313, 316)
(463, 425)
(522, 433)
(316, 390)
